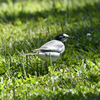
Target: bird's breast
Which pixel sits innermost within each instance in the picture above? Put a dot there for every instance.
(47, 56)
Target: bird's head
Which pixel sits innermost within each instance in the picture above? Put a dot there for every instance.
(63, 37)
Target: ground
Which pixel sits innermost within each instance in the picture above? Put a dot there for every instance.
(26, 25)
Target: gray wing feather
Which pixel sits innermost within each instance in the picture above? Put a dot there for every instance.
(52, 46)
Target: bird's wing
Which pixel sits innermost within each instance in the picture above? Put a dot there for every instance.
(52, 46)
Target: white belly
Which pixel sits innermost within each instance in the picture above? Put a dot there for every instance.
(47, 56)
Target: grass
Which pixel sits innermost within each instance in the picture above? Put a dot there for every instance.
(26, 25)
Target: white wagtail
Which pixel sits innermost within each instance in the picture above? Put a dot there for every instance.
(53, 48)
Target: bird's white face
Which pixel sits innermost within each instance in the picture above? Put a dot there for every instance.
(64, 37)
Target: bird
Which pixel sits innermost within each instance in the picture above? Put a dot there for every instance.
(52, 49)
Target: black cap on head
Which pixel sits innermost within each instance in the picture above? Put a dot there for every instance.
(62, 37)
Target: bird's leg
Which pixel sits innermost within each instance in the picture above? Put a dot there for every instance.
(46, 67)
(54, 63)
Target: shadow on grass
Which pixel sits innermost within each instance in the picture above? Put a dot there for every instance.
(2, 1)
(79, 13)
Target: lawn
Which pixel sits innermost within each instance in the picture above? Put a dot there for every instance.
(26, 25)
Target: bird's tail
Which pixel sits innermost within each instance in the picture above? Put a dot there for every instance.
(28, 54)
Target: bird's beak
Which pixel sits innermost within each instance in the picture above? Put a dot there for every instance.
(70, 37)
(67, 36)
